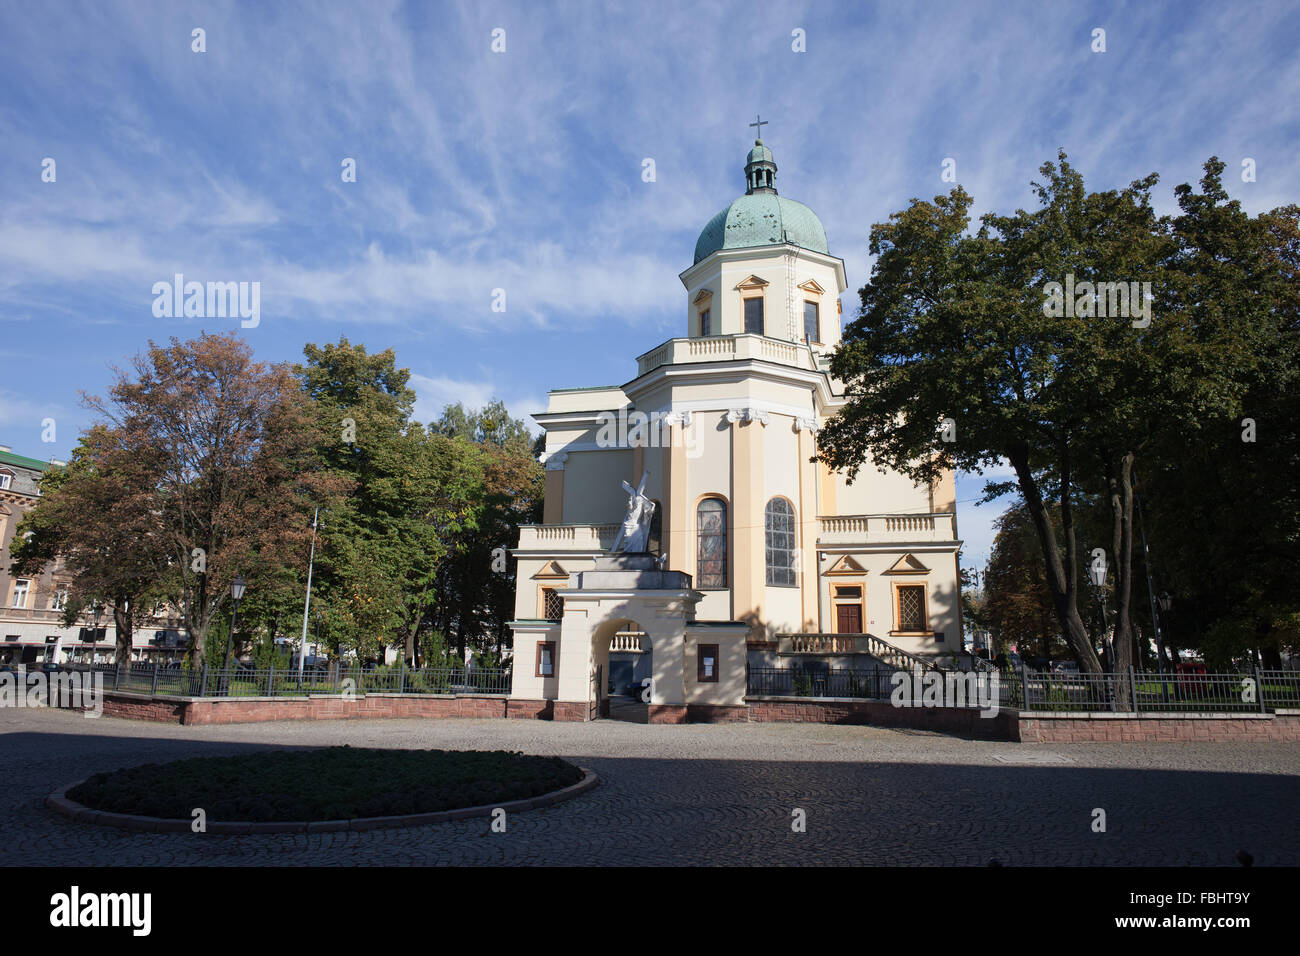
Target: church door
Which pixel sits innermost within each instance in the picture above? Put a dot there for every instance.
(848, 619)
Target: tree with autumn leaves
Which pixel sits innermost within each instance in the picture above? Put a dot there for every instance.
(204, 465)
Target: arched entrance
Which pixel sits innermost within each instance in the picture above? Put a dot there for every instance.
(622, 665)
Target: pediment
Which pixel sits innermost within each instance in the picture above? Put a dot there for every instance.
(812, 286)
(753, 282)
(552, 569)
(847, 565)
(908, 564)
(704, 295)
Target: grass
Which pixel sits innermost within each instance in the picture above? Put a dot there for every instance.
(332, 783)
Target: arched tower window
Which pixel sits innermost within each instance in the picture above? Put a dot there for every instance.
(779, 527)
(711, 544)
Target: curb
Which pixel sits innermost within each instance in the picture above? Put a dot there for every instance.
(59, 802)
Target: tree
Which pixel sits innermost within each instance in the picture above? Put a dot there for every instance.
(229, 468)
(1017, 603)
(95, 514)
(414, 491)
(965, 327)
(475, 598)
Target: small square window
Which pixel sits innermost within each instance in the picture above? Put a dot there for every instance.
(545, 659)
(707, 664)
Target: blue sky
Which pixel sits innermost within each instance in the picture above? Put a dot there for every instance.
(521, 170)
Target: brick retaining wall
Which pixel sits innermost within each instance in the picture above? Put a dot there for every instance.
(1283, 726)
(965, 721)
(242, 710)
(1101, 728)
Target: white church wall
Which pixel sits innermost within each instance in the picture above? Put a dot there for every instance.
(593, 492)
(727, 313)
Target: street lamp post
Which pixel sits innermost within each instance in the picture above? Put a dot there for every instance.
(98, 608)
(1098, 576)
(306, 607)
(1166, 602)
(237, 588)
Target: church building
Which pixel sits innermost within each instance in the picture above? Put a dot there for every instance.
(765, 558)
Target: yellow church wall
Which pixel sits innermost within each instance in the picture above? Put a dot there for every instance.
(874, 493)
(585, 399)
(707, 473)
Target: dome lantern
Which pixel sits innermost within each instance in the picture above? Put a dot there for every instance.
(761, 217)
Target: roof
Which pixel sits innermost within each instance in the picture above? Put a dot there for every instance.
(9, 458)
(762, 219)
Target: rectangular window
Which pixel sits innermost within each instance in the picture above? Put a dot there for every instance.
(21, 588)
(545, 659)
(911, 608)
(706, 324)
(707, 664)
(844, 591)
(60, 600)
(552, 604)
(6, 479)
(754, 315)
(811, 330)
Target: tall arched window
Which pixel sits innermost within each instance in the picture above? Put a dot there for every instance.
(711, 537)
(779, 526)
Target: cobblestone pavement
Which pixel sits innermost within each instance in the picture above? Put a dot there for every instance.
(708, 794)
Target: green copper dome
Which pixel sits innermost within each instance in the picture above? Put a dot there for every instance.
(761, 217)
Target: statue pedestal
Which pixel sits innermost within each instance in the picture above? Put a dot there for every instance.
(633, 571)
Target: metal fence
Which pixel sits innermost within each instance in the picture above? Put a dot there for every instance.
(1053, 691)
(868, 683)
(243, 681)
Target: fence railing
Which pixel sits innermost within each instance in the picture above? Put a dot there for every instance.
(1052, 691)
(243, 681)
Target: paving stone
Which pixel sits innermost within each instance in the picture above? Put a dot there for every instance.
(700, 794)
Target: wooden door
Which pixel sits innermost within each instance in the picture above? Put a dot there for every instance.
(848, 618)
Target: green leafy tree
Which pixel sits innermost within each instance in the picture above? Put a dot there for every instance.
(477, 591)
(414, 492)
(957, 325)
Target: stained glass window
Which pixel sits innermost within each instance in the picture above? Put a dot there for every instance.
(711, 557)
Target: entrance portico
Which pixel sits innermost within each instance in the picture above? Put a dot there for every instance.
(628, 592)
